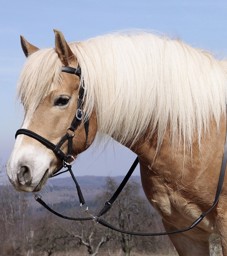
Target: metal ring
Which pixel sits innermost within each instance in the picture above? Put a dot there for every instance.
(79, 114)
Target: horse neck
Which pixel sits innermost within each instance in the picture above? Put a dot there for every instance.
(177, 159)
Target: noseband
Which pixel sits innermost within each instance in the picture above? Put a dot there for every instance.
(77, 120)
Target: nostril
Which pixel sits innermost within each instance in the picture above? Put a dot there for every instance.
(24, 176)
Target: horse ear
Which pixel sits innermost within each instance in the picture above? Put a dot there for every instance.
(62, 49)
(27, 48)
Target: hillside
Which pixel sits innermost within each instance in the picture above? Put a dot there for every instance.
(63, 190)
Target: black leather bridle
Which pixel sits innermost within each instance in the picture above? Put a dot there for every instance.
(68, 157)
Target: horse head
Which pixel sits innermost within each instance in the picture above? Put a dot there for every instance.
(51, 99)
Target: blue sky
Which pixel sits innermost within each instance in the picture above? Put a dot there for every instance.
(201, 23)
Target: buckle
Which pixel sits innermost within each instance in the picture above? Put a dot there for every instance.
(69, 160)
(70, 133)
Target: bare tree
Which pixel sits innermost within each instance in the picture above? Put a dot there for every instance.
(132, 212)
(13, 221)
(50, 237)
(90, 237)
(126, 213)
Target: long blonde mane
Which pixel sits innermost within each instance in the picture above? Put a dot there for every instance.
(138, 84)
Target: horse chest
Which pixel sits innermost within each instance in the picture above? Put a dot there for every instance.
(161, 187)
(158, 191)
(173, 203)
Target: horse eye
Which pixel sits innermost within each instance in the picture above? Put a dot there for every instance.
(61, 101)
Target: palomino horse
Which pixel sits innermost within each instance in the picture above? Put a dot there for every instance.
(161, 98)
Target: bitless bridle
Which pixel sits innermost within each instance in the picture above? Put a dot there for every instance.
(67, 159)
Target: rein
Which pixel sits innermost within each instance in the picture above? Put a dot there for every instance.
(108, 204)
(67, 158)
